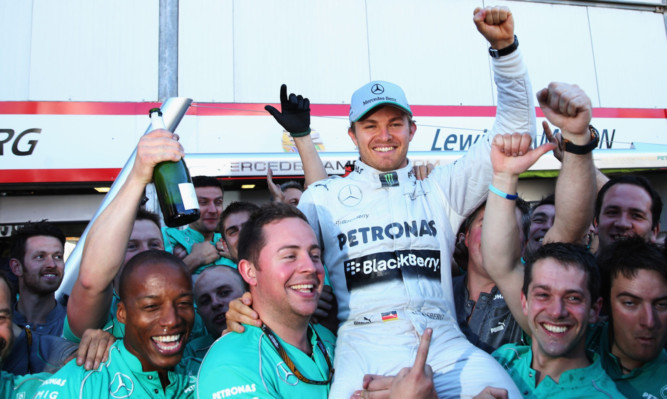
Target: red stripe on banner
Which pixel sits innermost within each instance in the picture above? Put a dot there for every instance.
(58, 175)
(240, 109)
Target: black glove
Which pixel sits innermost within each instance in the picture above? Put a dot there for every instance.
(295, 115)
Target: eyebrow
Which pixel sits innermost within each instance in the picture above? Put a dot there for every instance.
(624, 293)
(294, 246)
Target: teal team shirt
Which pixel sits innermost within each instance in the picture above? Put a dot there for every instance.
(248, 365)
(187, 238)
(587, 382)
(121, 376)
(646, 382)
(21, 386)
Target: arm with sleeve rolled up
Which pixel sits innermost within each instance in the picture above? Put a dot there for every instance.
(106, 243)
(295, 118)
(501, 247)
(569, 108)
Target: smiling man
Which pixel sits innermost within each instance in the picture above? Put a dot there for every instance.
(37, 260)
(287, 357)
(627, 206)
(157, 309)
(560, 297)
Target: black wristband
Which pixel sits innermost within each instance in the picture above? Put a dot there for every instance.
(586, 148)
(504, 51)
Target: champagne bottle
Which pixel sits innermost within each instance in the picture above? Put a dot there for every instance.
(173, 185)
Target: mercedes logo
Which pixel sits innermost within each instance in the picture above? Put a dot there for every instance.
(350, 195)
(377, 89)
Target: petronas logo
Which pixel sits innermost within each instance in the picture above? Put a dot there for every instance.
(389, 179)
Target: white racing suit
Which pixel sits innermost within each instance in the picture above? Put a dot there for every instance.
(387, 241)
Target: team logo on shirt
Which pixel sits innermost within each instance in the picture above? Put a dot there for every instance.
(393, 265)
(350, 195)
(285, 374)
(121, 386)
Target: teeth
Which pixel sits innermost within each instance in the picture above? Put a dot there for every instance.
(554, 329)
(167, 338)
(303, 287)
(383, 149)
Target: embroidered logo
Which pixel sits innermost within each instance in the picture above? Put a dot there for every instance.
(121, 386)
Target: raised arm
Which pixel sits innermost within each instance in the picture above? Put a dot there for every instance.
(104, 250)
(501, 247)
(295, 118)
(569, 108)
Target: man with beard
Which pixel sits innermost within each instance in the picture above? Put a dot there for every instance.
(37, 260)
(157, 309)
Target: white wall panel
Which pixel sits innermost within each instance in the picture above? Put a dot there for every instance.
(431, 49)
(94, 50)
(15, 41)
(318, 48)
(631, 57)
(556, 45)
(206, 50)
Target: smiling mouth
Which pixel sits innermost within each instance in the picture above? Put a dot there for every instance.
(304, 288)
(168, 344)
(554, 328)
(384, 149)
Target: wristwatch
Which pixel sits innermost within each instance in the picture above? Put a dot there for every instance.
(504, 51)
(586, 148)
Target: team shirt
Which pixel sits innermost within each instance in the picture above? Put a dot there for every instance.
(187, 238)
(121, 376)
(20, 386)
(647, 382)
(248, 365)
(587, 382)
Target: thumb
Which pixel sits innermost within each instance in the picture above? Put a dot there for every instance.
(539, 151)
(273, 111)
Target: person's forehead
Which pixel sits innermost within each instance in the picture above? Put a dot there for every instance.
(154, 278)
(292, 192)
(208, 192)
(638, 284)
(235, 219)
(43, 243)
(547, 209)
(216, 277)
(146, 227)
(384, 111)
(290, 231)
(623, 192)
(550, 272)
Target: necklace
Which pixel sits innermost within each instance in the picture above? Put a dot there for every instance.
(290, 363)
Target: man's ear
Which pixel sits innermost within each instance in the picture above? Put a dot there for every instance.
(655, 231)
(353, 136)
(524, 303)
(121, 313)
(413, 130)
(594, 313)
(248, 271)
(15, 266)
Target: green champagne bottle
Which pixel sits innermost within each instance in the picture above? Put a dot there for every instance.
(173, 185)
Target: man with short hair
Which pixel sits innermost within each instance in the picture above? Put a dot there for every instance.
(542, 216)
(630, 345)
(287, 357)
(233, 218)
(560, 297)
(37, 260)
(157, 310)
(627, 205)
(387, 236)
(199, 243)
(215, 287)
